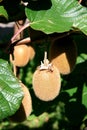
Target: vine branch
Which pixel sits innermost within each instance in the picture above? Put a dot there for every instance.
(19, 31)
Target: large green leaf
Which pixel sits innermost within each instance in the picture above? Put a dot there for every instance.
(63, 15)
(10, 91)
(3, 12)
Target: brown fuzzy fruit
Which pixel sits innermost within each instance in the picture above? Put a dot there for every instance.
(46, 82)
(26, 107)
(22, 54)
(63, 54)
(31, 51)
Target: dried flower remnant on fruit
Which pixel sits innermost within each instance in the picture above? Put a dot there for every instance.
(46, 65)
(46, 81)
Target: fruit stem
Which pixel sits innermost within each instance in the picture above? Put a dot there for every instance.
(46, 61)
(24, 41)
(19, 31)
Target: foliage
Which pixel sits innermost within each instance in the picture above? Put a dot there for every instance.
(10, 91)
(48, 20)
(3, 12)
(61, 16)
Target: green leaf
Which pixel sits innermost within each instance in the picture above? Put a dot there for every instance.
(3, 12)
(84, 98)
(10, 91)
(81, 58)
(62, 16)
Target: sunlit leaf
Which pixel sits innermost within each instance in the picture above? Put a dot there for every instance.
(81, 58)
(84, 98)
(60, 17)
(10, 91)
(3, 12)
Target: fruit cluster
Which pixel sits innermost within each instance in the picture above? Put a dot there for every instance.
(46, 80)
(20, 55)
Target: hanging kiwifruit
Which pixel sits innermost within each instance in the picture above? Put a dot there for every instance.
(32, 51)
(46, 81)
(22, 54)
(63, 54)
(25, 108)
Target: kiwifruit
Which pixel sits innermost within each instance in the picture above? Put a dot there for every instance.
(32, 51)
(22, 54)
(46, 81)
(25, 108)
(63, 54)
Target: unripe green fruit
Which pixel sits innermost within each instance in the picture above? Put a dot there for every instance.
(63, 54)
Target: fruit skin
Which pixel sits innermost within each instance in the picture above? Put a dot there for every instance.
(22, 54)
(32, 51)
(46, 84)
(63, 54)
(25, 108)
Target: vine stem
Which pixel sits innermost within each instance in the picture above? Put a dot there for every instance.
(24, 41)
(19, 31)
